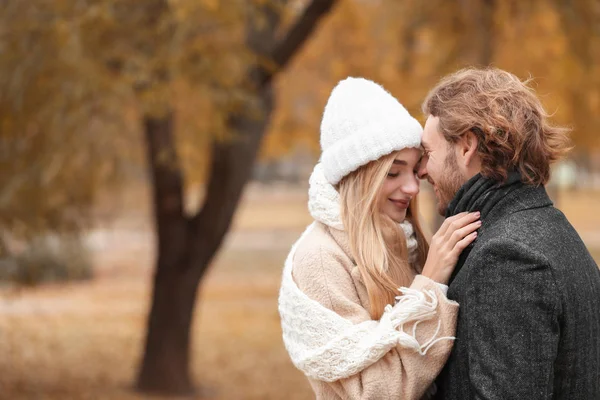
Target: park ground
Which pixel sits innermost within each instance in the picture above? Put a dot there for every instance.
(83, 340)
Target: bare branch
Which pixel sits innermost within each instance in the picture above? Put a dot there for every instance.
(295, 38)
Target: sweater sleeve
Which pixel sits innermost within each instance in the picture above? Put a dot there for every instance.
(402, 373)
(443, 288)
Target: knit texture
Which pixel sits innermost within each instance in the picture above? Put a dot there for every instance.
(338, 346)
(328, 347)
(361, 123)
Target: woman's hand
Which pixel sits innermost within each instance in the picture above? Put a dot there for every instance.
(455, 234)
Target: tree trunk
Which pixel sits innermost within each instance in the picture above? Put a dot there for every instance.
(186, 246)
(165, 366)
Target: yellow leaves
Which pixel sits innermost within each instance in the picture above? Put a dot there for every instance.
(432, 39)
(63, 32)
(84, 76)
(115, 60)
(594, 100)
(210, 5)
(154, 99)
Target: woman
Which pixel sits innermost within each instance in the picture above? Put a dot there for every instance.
(366, 250)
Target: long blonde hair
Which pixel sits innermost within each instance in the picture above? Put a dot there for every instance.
(377, 243)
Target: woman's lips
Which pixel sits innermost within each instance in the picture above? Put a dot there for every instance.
(400, 203)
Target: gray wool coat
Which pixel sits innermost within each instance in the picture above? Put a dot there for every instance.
(529, 295)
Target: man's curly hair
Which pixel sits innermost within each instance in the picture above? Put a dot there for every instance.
(509, 121)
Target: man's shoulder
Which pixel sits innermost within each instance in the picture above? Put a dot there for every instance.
(540, 239)
(507, 247)
(500, 247)
(533, 231)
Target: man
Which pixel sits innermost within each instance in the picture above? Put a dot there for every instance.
(528, 289)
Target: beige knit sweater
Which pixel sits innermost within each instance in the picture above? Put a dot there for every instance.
(323, 269)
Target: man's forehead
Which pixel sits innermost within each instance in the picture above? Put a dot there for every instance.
(425, 138)
(428, 133)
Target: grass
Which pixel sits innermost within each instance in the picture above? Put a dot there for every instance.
(83, 340)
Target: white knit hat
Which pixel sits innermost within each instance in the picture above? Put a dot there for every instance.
(361, 123)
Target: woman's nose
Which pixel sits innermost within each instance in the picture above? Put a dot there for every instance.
(412, 187)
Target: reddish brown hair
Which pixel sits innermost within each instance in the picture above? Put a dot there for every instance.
(509, 121)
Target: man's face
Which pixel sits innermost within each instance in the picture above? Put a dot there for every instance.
(439, 165)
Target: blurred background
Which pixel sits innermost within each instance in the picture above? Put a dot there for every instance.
(154, 158)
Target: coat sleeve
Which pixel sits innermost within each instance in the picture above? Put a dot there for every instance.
(402, 373)
(512, 307)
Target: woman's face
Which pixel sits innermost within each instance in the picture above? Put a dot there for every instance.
(400, 185)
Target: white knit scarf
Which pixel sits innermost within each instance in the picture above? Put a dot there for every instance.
(328, 347)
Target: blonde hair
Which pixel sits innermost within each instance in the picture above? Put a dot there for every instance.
(377, 243)
(508, 119)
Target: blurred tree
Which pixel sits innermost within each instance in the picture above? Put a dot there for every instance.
(70, 63)
(409, 45)
(580, 21)
(53, 154)
(186, 245)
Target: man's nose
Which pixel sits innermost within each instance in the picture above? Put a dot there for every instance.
(422, 171)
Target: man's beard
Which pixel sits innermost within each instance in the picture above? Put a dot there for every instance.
(449, 183)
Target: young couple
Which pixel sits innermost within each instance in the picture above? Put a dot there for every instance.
(365, 310)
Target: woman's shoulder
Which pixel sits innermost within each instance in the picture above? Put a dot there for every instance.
(318, 244)
(319, 256)
(323, 271)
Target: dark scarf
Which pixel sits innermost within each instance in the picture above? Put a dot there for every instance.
(481, 194)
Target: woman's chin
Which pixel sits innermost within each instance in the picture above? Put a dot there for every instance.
(397, 217)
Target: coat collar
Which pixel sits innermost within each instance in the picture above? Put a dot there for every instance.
(494, 199)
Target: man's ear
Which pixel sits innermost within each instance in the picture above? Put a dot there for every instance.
(468, 147)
